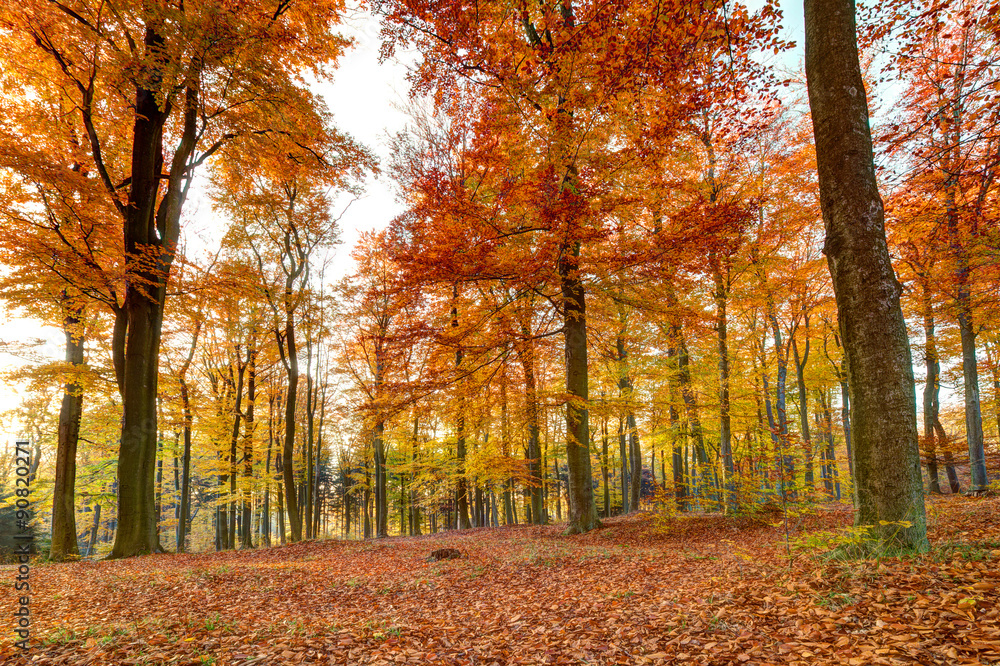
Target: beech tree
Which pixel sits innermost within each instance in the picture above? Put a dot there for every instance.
(888, 488)
(200, 77)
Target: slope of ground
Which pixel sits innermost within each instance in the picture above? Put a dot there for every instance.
(705, 590)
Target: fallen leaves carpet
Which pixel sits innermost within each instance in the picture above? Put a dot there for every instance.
(706, 590)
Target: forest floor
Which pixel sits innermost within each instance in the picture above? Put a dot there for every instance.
(696, 589)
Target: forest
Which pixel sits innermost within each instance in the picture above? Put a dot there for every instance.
(669, 336)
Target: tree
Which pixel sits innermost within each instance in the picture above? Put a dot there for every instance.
(199, 77)
(888, 487)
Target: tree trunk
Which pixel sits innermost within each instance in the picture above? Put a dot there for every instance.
(931, 406)
(625, 389)
(604, 466)
(288, 449)
(691, 408)
(184, 514)
(725, 423)
(780, 402)
(94, 529)
(800, 380)
(136, 533)
(831, 475)
(310, 433)
(582, 512)
(461, 484)
(623, 453)
(526, 354)
(64, 544)
(148, 227)
(321, 398)
(381, 508)
(246, 536)
(888, 487)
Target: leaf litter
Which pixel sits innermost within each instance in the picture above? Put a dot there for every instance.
(702, 590)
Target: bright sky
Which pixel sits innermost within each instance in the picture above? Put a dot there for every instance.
(365, 97)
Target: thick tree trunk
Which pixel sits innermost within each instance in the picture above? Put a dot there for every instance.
(136, 533)
(888, 487)
(64, 544)
(582, 513)
(149, 225)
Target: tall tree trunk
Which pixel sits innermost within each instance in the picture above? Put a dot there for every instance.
(310, 432)
(148, 226)
(265, 524)
(973, 410)
(604, 465)
(279, 467)
(159, 466)
(64, 543)
(246, 537)
(831, 475)
(725, 423)
(625, 389)
(288, 449)
(780, 401)
(381, 506)
(691, 409)
(414, 507)
(676, 444)
(229, 523)
(963, 297)
(367, 504)
(932, 366)
(888, 487)
(95, 526)
(526, 354)
(582, 512)
(623, 451)
(800, 380)
(184, 517)
(321, 398)
(558, 488)
(461, 483)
